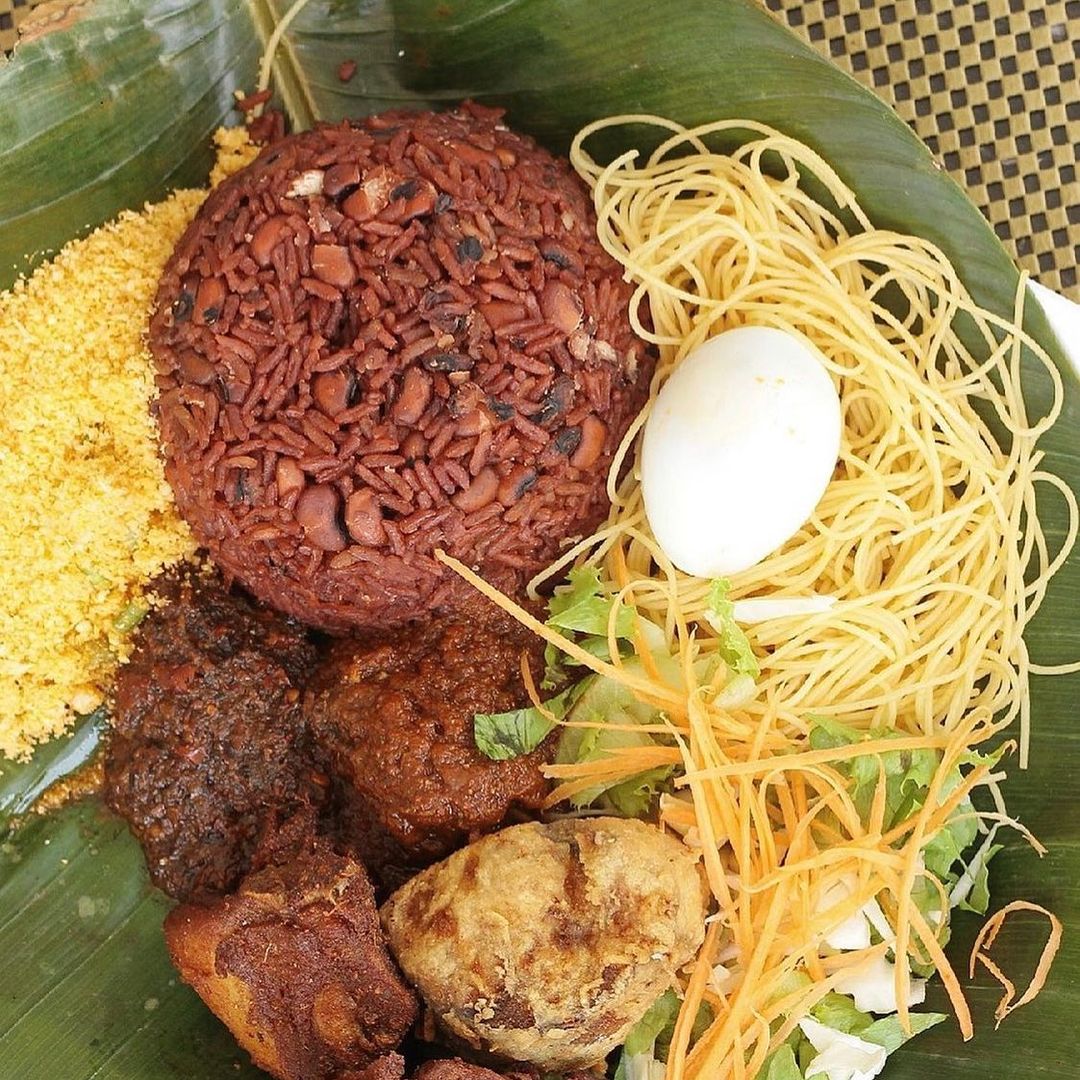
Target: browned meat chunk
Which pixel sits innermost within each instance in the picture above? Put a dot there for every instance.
(393, 716)
(454, 1069)
(207, 747)
(457, 1069)
(388, 1067)
(295, 964)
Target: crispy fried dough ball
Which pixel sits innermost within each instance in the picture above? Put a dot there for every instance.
(544, 944)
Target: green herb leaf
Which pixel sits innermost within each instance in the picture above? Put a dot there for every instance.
(502, 736)
(734, 645)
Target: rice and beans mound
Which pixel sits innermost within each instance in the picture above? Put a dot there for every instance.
(386, 337)
(377, 340)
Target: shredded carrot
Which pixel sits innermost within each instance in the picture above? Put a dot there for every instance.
(649, 691)
(530, 687)
(791, 762)
(944, 968)
(776, 826)
(695, 993)
(985, 940)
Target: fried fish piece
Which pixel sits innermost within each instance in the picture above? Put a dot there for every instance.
(544, 944)
(295, 965)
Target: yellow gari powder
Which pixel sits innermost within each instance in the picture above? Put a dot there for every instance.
(86, 516)
(234, 151)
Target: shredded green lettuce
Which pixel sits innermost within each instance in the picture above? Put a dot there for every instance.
(889, 1032)
(971, 890)
(788, 984)
(735, 647)
(978, 899)
(781, 1064)
(649, 1040)
(963, 872)
(839, 1012)
(661, 1014)
(637, 796)
(584, 607)
(908, 773)
(608, 713)
(946, 849)
(950, 855)
(792, 1059)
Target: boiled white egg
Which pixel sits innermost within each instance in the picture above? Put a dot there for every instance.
(739, 447)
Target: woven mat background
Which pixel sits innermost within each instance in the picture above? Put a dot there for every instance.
(992, 87)
(13, 13)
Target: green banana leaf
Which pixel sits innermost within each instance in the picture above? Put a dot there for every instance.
(118, 109)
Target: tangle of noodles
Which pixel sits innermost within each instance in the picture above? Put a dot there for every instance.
(927, 538)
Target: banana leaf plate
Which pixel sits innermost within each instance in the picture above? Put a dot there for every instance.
(115, 107)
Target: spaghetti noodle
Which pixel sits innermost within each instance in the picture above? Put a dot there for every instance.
(927, 538)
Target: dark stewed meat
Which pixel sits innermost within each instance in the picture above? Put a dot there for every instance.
(207, 753)
(392, 714)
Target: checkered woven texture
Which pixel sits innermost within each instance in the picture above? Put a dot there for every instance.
(13, 14)
(991, 86)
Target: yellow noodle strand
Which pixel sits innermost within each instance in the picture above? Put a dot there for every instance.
(927, 538)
